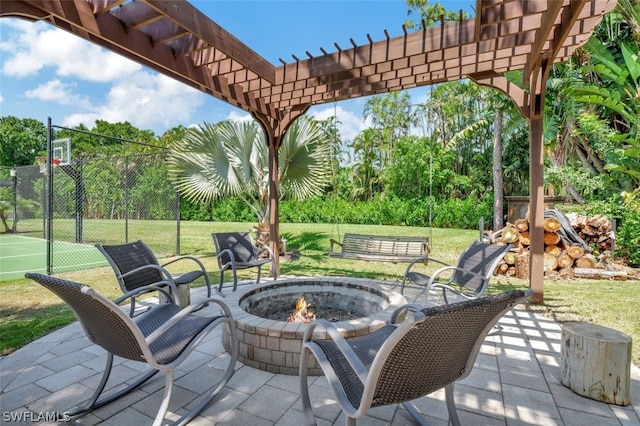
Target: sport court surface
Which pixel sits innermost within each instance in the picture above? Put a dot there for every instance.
(21, 254)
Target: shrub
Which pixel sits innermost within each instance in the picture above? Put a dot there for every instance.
(628, 233)
(452, 213)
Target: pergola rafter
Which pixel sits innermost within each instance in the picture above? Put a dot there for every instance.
(175, 39)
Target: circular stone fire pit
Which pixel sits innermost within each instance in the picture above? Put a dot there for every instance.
(274, 345)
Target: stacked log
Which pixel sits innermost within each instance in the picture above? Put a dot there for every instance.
(596, 231)
(562, 258)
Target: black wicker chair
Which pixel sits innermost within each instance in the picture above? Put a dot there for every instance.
(236, 250)
(468, 279)
(136, 266)
(431, 349)
(163, 337)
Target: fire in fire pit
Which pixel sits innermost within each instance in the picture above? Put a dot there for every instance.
(302, 313)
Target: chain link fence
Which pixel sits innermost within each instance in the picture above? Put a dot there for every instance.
(110, 200)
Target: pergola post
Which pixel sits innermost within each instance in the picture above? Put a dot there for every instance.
(537, 92)
(273, 144)
(531, 106)
(274, 131)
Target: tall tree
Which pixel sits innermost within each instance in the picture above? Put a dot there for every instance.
(367, 168)
(391, 118)
(21, 141)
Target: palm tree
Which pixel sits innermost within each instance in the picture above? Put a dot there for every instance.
(231, 159)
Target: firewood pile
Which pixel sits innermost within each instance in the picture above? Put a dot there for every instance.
(568, 244)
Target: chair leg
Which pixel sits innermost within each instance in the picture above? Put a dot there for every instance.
(132, 307)
(95, 403)
(100, 388)
(259, 271)
(207, 281)
(235, 278)
(164, 406)
(404, 280)
(310, 420)
(215, 391)
(413, 411)
(221, 281)
(451, 406)
(349, 421)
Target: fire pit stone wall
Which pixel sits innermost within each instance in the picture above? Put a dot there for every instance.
(274, 345)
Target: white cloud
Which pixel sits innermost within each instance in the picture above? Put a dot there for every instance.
(146, 101)
(32, 47)
(99, 84)
(349, 124)
(239, 116)
(58, 92)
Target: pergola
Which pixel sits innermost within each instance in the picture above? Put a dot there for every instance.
(175, 39)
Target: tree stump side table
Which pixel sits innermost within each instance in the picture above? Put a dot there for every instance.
(596, 362)
(184, 293)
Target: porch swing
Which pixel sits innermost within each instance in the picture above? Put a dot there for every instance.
(379, 248)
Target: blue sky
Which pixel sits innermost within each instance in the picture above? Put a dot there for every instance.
(46, 72)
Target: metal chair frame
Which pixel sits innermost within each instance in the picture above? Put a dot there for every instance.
(469, 278)
(163, 337)
(135, 266)
(236, 250)
(420, 351)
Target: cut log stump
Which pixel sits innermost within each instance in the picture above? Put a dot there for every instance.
(522, 265)
(596, 362)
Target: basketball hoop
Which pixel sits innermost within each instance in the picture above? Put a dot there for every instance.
(42, 163)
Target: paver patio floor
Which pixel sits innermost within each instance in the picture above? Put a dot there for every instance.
(516, 381)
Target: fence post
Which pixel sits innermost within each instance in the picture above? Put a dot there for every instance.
(48, 180)
(14, 178)
(126, 199)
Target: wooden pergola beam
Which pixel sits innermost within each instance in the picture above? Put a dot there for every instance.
(198, 24)
(505, 35)
(174, 38)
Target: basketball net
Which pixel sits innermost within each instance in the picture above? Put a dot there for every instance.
(42, 163)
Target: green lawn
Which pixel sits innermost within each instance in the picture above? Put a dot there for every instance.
(27, 311)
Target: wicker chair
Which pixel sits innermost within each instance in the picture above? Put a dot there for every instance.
(236, 250)
(403, 361)
(136, 266)
(163, 337)
(468, 279)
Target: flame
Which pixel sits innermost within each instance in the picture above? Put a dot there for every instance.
(302, 313)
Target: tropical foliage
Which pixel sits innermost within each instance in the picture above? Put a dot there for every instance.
(231, 159)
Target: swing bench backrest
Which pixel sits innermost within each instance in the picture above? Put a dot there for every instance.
(380, 248)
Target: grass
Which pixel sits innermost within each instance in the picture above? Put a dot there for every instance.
(28, 311)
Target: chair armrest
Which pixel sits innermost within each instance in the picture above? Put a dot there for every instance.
(342, 344)
(192, 258)
(411, 307)
(450, 268)
(182, 314)
(232, 259)
(168, 279)
(446, 285)
(159, 286)
(421, 259)
(332, 242)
